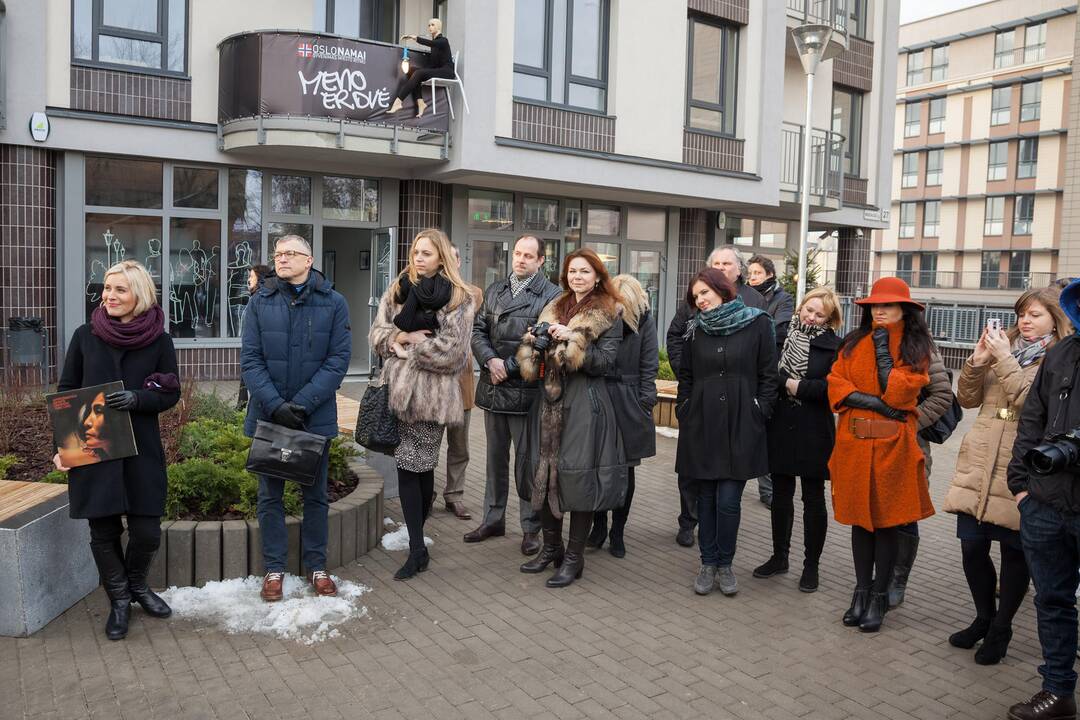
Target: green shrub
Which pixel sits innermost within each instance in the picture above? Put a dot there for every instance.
(56, 478)
(6, 463)
(208, 406)
(209, 438)
(665, 372)
(340, 452)
(202, 487)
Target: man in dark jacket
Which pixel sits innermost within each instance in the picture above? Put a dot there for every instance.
(510, 307)
(294, 354)
(778, 302)
(1050, 518)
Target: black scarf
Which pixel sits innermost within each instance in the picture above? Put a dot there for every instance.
(421, 302)
(766, 286)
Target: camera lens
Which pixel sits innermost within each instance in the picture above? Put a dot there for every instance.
(1050, 458)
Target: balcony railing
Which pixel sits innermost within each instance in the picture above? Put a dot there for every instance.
(971, 280)
(821, 12)
(1019, 56)
(826, 162)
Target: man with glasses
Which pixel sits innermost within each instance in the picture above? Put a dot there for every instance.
(294, 353)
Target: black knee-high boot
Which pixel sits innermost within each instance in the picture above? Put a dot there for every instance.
(110, 565)
(574, 561)
(619, 517)
(599, 530)
(552, 550)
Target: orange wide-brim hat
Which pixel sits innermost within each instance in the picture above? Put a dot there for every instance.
(889, 290)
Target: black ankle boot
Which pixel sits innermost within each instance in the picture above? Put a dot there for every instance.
(617, 547)
(994, 646)
(808, 581)
(417, 562)
(574, 560)
(599, 531)
(875, 612)
(110, 564)
(970, 635)
(551, 552)
(1045, 705)
(776, 565)
(138, 566)
(859, 600)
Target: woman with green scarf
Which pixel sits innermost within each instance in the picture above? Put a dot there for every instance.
(728, 385)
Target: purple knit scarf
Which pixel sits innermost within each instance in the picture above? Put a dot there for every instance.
(143, 329)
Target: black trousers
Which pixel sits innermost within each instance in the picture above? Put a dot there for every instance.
(414, 85)
(143, 531)
(688, 492)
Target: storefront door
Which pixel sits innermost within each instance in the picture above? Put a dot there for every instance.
(644, 263)
(383, 263)
(346, 262)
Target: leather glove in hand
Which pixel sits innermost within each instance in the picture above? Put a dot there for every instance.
(866, 401)
(290, 415)
(883, 357)
(125, 400)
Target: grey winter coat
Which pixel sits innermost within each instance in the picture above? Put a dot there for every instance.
(632, 380)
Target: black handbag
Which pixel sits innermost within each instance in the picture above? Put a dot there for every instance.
(376, 424)
(286, 454)
(943, 428)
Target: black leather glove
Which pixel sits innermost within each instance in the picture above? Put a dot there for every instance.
(866, 401)
(883, 357)
(290, 415)
(125, 400)
(510, 364)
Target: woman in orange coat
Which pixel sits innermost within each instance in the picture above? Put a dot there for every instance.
(877, 469)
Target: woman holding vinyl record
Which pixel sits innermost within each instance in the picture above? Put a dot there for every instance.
(124, 341)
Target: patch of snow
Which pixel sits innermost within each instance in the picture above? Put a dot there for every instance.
(399, 539)
(235, 606)
(667, 432)
(389, 522)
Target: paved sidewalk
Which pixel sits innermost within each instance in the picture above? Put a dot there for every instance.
(474, 638)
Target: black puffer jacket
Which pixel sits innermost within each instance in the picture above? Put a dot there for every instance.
(1052, 407)
(497, 332)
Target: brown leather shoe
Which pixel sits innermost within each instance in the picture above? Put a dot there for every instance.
(271, 589)
(323, 583)
(484, 532)
(459, 510)
(530, 543)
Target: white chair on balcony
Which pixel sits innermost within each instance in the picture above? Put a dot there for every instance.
(448, 83)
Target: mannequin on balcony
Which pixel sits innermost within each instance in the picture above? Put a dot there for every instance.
(441, 65)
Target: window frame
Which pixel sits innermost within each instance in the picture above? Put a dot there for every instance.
(931, 230)
(939, 153)
(1005, 58)
(1028, 168)
(1018, 279)
(852, 150)
(990, 277)
(1036, 114)
(377, 4)
(905, 264)
(927, 275)
(1027, 222)
(996, 110)
(857, 18)
(906, 229)
(989, 221)
(931, 119)
(728, 31)
(1039, 48)
(936, 67)
(916, 75)
(905, 174)
(917, 124)
(161, 37)
(991, 166)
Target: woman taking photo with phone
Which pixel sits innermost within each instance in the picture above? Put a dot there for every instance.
(996, 379)
(876, 467)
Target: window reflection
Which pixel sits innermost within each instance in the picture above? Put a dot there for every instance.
(194, 278)
(245, 239)
(112, 238)
(290, 195)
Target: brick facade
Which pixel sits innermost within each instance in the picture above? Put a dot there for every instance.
(855, 66)
(693, 245)
(737, 11)
(712, 151)
(563, 128)
(853, 262)
(421, 206)
(124, 93)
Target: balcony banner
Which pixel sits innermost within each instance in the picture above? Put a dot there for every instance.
(313, 75)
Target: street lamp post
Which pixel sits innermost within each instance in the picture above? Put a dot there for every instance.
(812, 42)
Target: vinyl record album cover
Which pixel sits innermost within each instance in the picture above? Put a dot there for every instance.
(86, 430)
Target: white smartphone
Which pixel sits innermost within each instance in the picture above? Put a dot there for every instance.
(993, 324)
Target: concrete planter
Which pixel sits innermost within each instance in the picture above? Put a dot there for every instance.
(194, 553)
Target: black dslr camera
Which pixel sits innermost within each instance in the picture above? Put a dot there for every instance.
(543, 337)
(1058, 453)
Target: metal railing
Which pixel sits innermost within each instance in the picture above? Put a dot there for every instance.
(826, 162)
(951, 324)
(1019, 56)
(971, 280)
(821, 12)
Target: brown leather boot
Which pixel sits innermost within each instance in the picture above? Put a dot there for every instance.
(271, 588)
(323, 583)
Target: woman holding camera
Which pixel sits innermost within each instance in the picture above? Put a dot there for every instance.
(996, 379)
(876, 467)
(581, 466)
(125, 341)
(727, 390)
(422, 331)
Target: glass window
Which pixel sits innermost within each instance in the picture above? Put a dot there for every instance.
(609, 255)
(998, 161)
(1004, 42)
(541, 214)
(552, 260)
(194, 282)
(1035, 43)
(1019, 269)
(148, 34)
(646, 224)
(602, 220)
(915, 67)
(1030, 100)
(927, 269)
(904, 264)
(119, 182)
(365, 19)
(346, 198)
(1000, 104)
(488, 262)
(290, 194)
(937, 116)
(939, 62)
(772, 234)
(931, 218)
(910, 176)
(1027, 160)
(738, 231)
(244, 240)
(491, 210)
(847, 120)
(990, 271)
(1023, 214)
(935, 159)
(277, 230)
(195, 188)
(713, 57)
(112, 238)
(907, 220)
(994, 216)
(857, 18)
(644, 265)
(912, 119)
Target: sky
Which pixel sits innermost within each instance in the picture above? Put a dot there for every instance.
(911, 10)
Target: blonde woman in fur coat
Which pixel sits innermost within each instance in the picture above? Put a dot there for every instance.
(581, 466)
(422, 331)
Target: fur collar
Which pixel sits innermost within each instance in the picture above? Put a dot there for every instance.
(586, 327)
(633, 299)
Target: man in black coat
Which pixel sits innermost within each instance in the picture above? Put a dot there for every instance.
(510, 307)
(729, 260)
(1049, 505)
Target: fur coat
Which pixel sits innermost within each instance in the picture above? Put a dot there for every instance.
(425, 386)
(589, 473)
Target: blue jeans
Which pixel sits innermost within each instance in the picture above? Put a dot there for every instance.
(313, 532)
(719, 507)
(1052, 548)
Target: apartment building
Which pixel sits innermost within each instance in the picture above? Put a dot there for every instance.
(982, 118)
(189, 134)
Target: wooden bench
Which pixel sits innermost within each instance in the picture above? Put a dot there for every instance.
(45, 559)
(664, 410)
